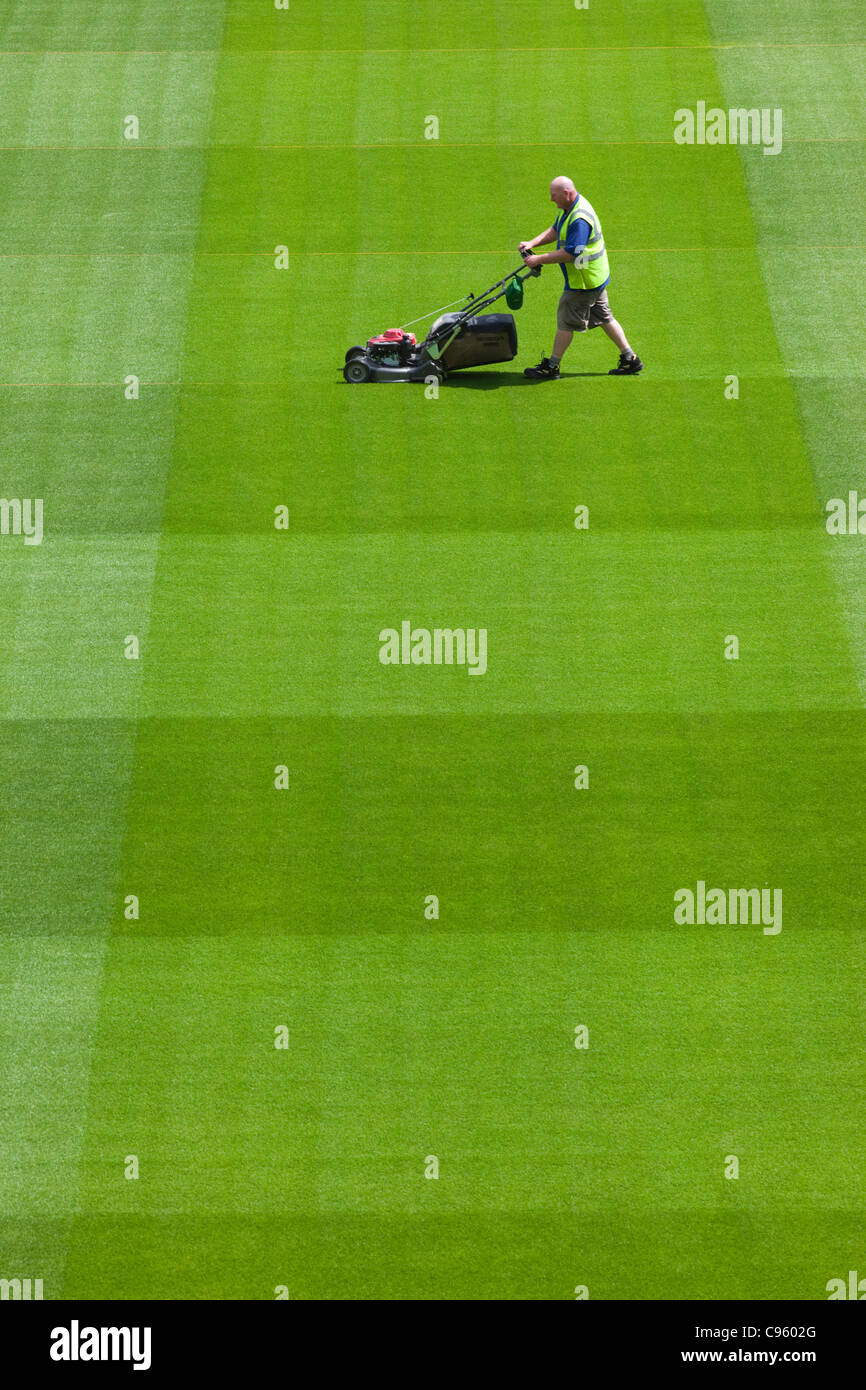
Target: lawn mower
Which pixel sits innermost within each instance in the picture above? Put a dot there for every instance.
(465, 338)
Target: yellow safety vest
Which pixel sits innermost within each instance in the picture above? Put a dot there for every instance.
(591, 268)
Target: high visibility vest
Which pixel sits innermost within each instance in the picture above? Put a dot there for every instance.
(591, 267)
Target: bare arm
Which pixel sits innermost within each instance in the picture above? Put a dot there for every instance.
(550, 258)
(543, 239)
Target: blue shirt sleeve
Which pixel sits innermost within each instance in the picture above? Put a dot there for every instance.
(578, 236)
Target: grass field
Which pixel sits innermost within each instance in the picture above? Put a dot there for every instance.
(410, 1036)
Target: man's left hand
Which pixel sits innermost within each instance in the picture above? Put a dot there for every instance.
(533, 261)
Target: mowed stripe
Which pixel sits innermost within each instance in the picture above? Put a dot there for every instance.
(822, 347)
(247, 626)
(69, 608)
(824, 92)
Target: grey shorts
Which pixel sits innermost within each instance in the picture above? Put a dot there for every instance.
(582, 309)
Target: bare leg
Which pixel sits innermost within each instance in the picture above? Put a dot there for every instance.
(616, 335)
(562, 341)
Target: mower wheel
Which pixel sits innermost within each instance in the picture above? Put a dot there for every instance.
(356, 370)
(355, 352)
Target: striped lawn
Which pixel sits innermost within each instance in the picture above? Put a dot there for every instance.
(258, 907)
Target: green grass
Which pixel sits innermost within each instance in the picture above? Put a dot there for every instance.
(411, 1037)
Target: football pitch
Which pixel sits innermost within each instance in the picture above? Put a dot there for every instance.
(325, 978)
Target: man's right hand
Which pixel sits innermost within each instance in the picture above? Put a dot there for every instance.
(524, 246)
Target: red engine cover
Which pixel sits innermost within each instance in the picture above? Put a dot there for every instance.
(393, 335)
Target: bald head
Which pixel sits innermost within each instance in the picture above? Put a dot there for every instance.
(563, 192)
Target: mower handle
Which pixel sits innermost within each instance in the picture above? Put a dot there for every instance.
(478, 302)
(471, 302)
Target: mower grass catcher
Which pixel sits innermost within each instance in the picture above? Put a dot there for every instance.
(467, 338)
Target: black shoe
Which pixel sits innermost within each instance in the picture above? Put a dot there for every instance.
(543, 372)
(629, 365)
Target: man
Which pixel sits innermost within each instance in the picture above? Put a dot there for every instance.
(580, 251)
